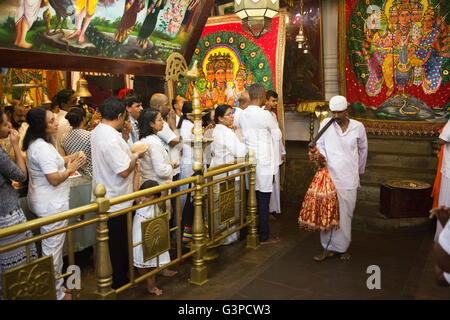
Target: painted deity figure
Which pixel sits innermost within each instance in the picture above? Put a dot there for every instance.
(84, 10)
(222, 91)
(239, 86)
(128, 21)
(397, 66)
(26, 14)
(428, 52)
(205, 102)
(153, 9)
(172, 17)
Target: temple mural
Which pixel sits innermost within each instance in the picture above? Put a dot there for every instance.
(142, 30)
(397, 58)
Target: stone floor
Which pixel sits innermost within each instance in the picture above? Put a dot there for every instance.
(286, 271)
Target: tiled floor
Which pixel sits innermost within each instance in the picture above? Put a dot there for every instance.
(286, 271)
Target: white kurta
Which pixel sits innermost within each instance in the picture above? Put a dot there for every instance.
(155, 165)
(44, 200)
(444, 242)
(167, 135)
(278, 148)
(111, 155)
(346, 156)
(444, 189)
(63, 129)
(259, 130)
(187, 156)
(225, 148)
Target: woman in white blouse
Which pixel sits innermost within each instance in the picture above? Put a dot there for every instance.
(49, 188)
(225, 148)
(155, 165)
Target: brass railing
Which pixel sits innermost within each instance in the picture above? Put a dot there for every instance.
(205, 234)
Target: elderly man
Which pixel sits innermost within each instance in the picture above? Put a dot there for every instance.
(344, 147)
(258, 130)
(170, 138)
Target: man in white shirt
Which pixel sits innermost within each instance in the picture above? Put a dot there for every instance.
(170, 138)
(442, 246)
(258, 129)
(444, 189)
(61, 103)
(280, 152)
(177, 105)
(344, 146)
(134, 108)
(113, 166)
(244, 101)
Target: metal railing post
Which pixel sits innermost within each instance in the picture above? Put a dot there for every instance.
(252, 236)
(103, 267)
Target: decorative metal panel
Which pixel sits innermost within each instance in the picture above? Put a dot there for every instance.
(32, 281)
(155, 236)
(227, 206)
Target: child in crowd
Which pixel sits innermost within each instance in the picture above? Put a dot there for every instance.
(141, 215)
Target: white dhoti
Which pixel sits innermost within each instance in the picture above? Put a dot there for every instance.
(274, 205)
(29, 10)
(54, 245)
(444, 200)
(186, 171)
(338, 240)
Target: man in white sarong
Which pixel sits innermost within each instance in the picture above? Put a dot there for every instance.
(344, 146)
(444, 190)
(279, 152)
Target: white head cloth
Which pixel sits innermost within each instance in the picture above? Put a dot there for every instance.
(338, 103)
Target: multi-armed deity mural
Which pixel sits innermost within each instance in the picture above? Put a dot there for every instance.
(230, 61)
(397, 57)
(142, 30)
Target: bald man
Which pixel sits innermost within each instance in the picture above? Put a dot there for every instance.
(170, 137)
(244, 101)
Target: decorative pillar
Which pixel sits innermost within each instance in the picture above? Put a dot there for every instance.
(199, 270)
(252, 237)
(103, 267)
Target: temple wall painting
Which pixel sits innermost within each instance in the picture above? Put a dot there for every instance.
(138, 30)
(230, 61)
(394, 57)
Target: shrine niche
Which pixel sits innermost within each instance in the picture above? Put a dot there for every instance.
(122, 36)
(394, 57)
(230, 61)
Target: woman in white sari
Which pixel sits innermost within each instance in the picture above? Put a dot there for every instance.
(225, 148)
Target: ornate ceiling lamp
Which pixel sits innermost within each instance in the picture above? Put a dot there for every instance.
(301, 37)
(256, 15)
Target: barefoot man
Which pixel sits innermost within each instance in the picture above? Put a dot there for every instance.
(344, 146)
